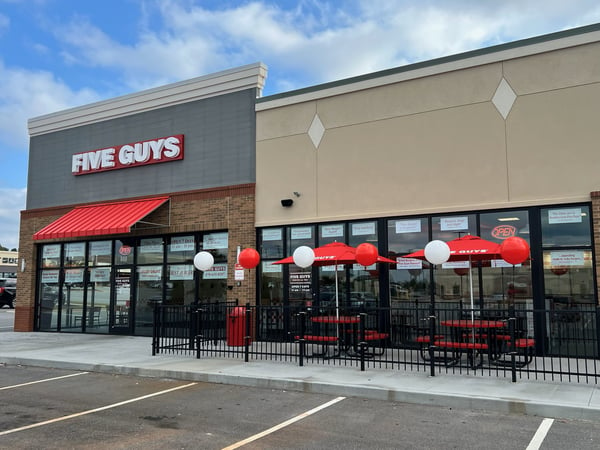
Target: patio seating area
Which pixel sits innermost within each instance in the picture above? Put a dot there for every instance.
(506, 346)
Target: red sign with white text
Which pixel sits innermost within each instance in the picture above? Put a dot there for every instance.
(140, 153)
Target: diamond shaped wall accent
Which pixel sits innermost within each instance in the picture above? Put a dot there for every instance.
(316, 131)
(504, 98)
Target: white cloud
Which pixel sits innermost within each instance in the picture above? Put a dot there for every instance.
(13, 201)
(311, 41)
(26, 94)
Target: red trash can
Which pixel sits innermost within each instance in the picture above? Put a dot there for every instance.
(236, 327)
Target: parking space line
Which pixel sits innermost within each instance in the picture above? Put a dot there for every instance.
(284, 424)
(95, 410)
(540, 434)
(42, 381)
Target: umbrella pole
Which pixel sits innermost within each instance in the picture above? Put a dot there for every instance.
(471, 289)
(337, 306)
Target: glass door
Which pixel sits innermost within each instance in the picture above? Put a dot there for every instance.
(120, 308)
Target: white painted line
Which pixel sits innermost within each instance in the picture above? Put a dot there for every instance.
(42, 381)
(284, 424)
(91, 411)
(540, 434)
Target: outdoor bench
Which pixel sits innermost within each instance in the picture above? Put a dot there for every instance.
(458, 348)
(325, 340)
(375, 337)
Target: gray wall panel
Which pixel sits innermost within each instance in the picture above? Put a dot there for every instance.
(220, 141)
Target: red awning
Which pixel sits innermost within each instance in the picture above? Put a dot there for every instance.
(99, 219)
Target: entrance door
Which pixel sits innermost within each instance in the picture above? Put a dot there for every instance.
(120, 307)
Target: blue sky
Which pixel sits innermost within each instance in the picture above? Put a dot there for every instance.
(58, 54)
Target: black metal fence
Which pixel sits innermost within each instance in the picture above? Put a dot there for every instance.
(560, 345)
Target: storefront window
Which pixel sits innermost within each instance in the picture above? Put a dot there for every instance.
(100, 253)
(75, 254)
(327, 288)
(149, 294)
(48, 289)
(446, 228)
(98, 299)
(150, 251)
(498, 226)
(181, 249)
(271, 291)
(124, 252)
(72, 304)
(363, 232)
(406, 236)
(300, 293)
(51, 255)
(567, 226)
(213, 284)
(331, 232)
(409, 281)
(299, 236)
(271, 243)
(180, 288)
(503, 284)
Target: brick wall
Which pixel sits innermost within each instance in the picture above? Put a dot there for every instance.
(228, 208)
(595, 196)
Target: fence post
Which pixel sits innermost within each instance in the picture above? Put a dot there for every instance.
(512, 319)
(198, 315)
(302, 340)
(248, 335)
(431, 319)
(361, 340)
(155, 334)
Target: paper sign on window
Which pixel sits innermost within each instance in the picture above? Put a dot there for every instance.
(328, 231)
(363, 229)
(214, 241)
(408, 226)
(565, 215)
(100, 275)
(271, 235)
(301, 233)
(454, 223)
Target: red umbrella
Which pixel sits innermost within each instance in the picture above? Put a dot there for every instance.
(467, 248)
(333, 254)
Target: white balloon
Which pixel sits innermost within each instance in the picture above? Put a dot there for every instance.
(203, 260)
(304, 256)
(437, 252)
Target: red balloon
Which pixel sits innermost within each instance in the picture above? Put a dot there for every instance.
(461, 271)
(366, 254)
(249, 258)
(514, 250)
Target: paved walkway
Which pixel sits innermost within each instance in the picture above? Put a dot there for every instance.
(133, 355)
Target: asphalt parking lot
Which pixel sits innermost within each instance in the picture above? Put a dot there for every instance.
(51, 408)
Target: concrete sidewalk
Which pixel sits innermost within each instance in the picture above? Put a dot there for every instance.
(133, 355)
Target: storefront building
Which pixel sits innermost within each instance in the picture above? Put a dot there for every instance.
(496, 143)
(123, 193)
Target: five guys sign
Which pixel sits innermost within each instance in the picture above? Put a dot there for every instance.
(129, 155)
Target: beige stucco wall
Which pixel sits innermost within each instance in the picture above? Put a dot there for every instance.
(436, 143)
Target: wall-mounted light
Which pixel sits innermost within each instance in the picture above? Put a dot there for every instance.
(287, 202)
(23, 265)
